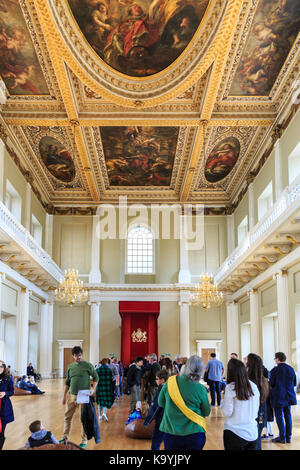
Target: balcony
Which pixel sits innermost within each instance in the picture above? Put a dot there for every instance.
(273, 237)
(20, 251)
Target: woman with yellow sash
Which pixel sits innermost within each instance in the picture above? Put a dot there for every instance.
(185, 405)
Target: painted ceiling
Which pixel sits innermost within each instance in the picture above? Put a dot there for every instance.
(161, 101)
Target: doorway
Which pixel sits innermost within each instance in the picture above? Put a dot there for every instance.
(206, 352)
(68, 359)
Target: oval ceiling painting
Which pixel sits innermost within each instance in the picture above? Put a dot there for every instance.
(222, 159)
(142, 37)
(57, 159)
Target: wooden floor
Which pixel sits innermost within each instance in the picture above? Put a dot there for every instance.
(50, 411)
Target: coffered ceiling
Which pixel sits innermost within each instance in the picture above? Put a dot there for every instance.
(162, 101)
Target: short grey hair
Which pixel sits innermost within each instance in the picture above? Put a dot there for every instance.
(194, 368)
(153, 356)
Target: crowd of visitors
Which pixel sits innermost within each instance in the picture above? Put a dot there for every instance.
(174, 395)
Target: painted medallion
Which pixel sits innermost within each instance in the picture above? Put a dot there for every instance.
(57, 159)
(222, 159)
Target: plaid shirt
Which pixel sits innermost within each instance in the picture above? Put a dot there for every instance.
(105, 387)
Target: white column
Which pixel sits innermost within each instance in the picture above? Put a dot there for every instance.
(230, 233)
(95, 274)
(22, 332)
(254, 322)
(60, 359)
(43, 369)
(233, 334)
(94, 327)
(2, 148)
(278, 170)
(283, 313)
(50, 338)
(49, 234)
(184, 324)
(251, 207)
(184, 276)
(2, 344)
(28, 208)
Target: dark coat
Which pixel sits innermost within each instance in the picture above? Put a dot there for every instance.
(89, 421)
(155, 411)
(134, 375)
(6, 412)
(105, 387)
(155, 367)
(282, 383)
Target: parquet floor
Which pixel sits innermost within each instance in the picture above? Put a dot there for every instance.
(50, 411)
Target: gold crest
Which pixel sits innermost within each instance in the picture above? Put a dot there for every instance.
(139, 336)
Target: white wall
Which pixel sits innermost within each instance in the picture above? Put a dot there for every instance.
(269, 341)
(245, 340)
(33, 342)
(10, 341)
(297, 343)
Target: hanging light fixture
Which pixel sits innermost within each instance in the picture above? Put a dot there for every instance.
(70, 288)
(206, 293)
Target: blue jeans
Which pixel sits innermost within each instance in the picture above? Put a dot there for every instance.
(121, 385)
(213, 388)
(190, 442)
(284, 422)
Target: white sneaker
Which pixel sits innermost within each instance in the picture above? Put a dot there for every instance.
(105, 417)
(100, 418)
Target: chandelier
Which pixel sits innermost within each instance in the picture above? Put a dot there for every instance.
(71, 288)
(206, 292)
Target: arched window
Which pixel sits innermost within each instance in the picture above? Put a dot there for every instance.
(140, 250)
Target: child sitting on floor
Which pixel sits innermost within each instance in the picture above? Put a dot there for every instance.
(39, 435)
(140, 412)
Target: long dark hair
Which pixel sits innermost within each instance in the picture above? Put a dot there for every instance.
(255, 373)
(237, 374)
(5, 371)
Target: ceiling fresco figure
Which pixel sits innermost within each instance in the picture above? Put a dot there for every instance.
(142, 37)
(222, 159)
(274, 30)
(19, 66)
(139, 156)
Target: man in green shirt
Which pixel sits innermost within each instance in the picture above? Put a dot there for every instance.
(78, 377)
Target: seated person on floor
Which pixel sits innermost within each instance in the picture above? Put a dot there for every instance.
(28, 384)
(140, 412)
(39, 435)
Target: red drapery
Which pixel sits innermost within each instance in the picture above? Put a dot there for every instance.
(136, 315)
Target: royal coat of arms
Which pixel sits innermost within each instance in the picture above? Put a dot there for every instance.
(139, 336)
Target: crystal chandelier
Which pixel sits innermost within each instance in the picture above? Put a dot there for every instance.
(71, 288)
(206, 292)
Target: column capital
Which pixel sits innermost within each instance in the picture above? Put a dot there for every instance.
(26, 290)
(184, 298)
(2, 277)
(281, 273)
(94, 298)
(252, 292)
(94, 302)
